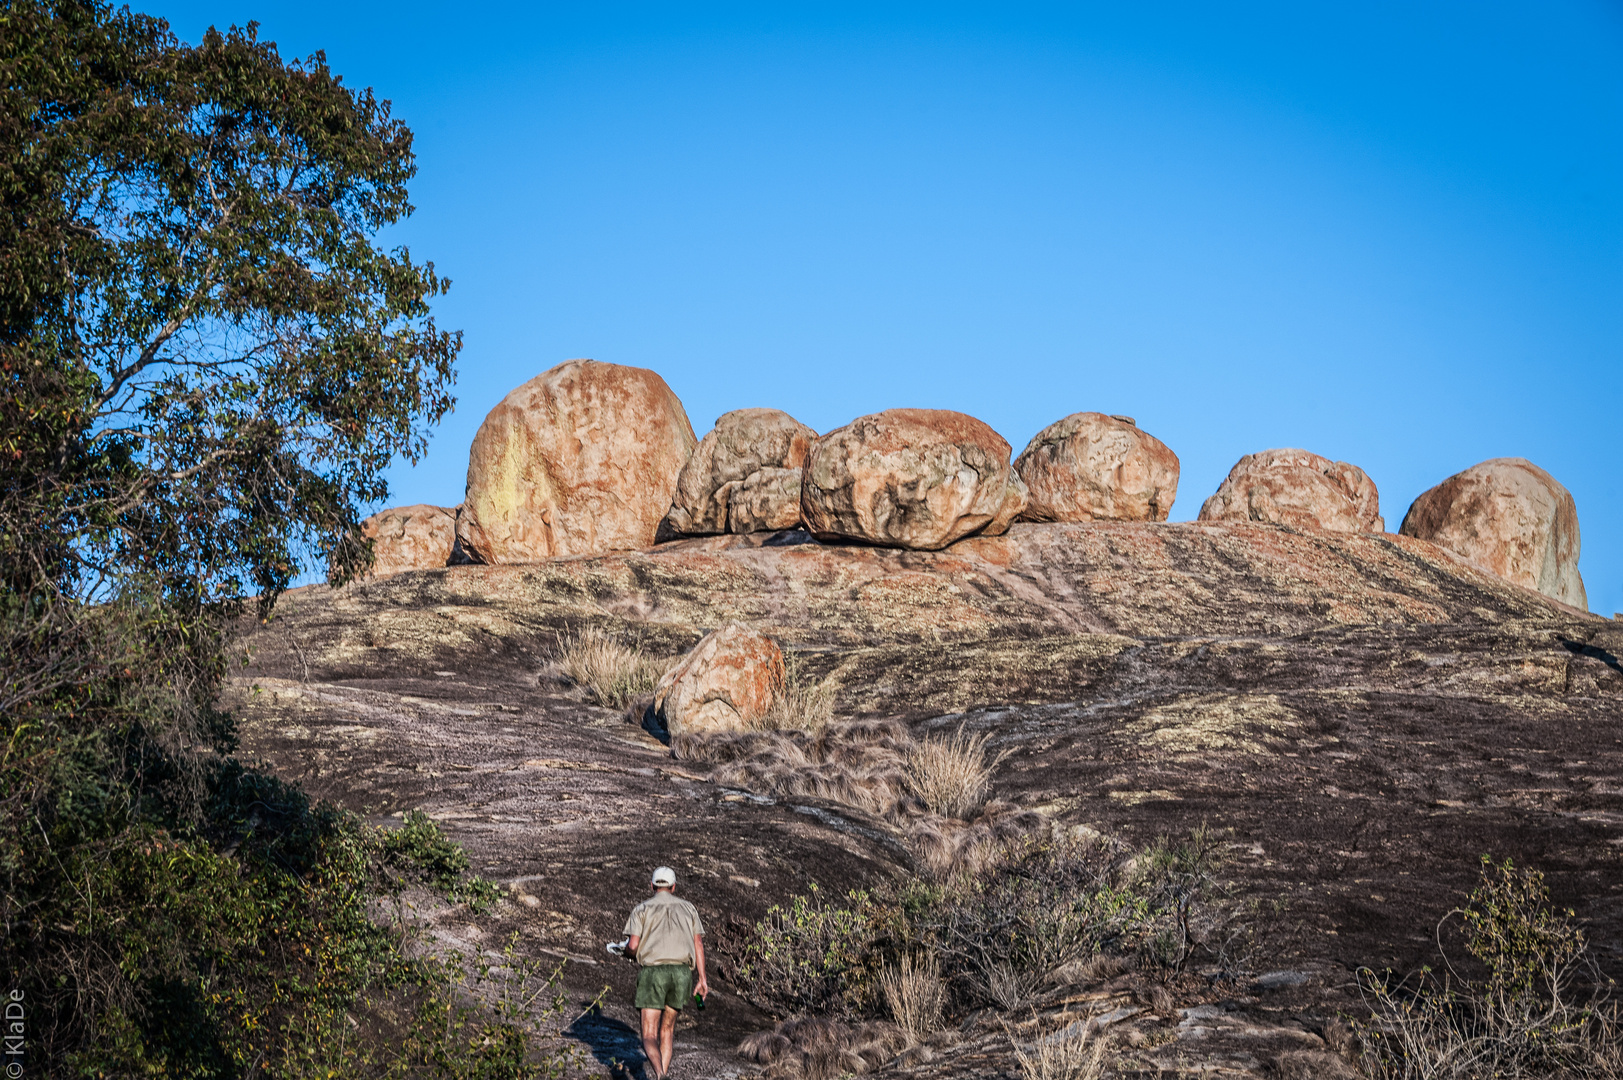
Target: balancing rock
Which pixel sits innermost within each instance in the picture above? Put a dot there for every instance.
(581, 459)
(1509, 517)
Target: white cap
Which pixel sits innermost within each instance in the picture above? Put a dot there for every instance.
(664, 876)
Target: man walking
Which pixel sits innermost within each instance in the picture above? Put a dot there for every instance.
(667, 939)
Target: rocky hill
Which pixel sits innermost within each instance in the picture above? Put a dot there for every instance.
(1357, 717)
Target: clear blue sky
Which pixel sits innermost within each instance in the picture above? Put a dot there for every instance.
(1388, 233)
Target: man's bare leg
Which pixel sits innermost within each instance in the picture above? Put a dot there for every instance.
(667, 1040)
(651, 1049)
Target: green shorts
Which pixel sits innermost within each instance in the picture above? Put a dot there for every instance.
(664, 986)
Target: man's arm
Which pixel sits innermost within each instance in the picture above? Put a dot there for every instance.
(698, 961)
(631, 946)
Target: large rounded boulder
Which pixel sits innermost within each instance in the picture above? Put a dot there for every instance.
(1509, 517)
(910, 478)
(744, 477)
(410, 538)
(580, 459)
(1093, 467)
(729, 682)
(1300, 489)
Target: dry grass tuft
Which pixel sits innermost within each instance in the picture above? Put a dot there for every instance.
(817, 1048)
(1074, 1052)
(858, 763)
(806, 704)
(952, 775)
(611, 673)
(915, 995)
(946, 848)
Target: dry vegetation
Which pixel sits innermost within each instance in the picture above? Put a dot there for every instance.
(952, 775)
(1073, 1052)
(858, 763)
(820, 1048)
(915, 995)
(1542, 1010)
(611, 673)
(805, 704)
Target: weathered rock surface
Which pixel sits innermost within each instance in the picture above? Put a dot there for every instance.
(729, 681)
(1300, 489)
(744, 477)
(765, 501)
(910, 478)
(581, 459)
(410, 538)
(1090, 466)
(1511, 518)
(1357, 717)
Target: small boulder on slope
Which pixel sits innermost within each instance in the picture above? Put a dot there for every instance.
(730, 680)
(743, 477)
(1090, 467)
(1300, 489)
(579, 460)
(409, 538)
(910, 478)
(1509, 517)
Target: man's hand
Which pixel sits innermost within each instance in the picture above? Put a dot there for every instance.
(704, 986)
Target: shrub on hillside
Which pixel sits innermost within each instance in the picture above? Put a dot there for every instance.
(814, 956)
(1541, 1009)
(995, 936)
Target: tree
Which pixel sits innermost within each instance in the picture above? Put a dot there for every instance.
(207, 360)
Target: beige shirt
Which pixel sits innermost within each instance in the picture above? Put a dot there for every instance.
(666, 926)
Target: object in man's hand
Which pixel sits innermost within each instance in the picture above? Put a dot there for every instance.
(618, 948)
(698, 1001)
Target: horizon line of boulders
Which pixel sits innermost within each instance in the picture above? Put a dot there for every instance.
(591, 457)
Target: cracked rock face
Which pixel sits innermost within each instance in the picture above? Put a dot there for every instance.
(410, 538)
(744, 477)
(728, 682)
(1511, 518)
(910, 478)
(581, 459)
(1300, 489)
(1093, 467)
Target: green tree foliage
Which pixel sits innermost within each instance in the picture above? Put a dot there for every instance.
(206, 362)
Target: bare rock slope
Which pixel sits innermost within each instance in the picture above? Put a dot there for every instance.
(1358, 715)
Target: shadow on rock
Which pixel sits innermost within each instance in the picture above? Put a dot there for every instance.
(614, 1043)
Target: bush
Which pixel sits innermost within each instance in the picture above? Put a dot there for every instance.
(1042, 905)
(1530, 1016)
(420, 847)
(813, 956)
(993, 937)
(257, 943)
(1179, 882)
(612, 674)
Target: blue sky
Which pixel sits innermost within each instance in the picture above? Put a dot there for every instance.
(1389, 233)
